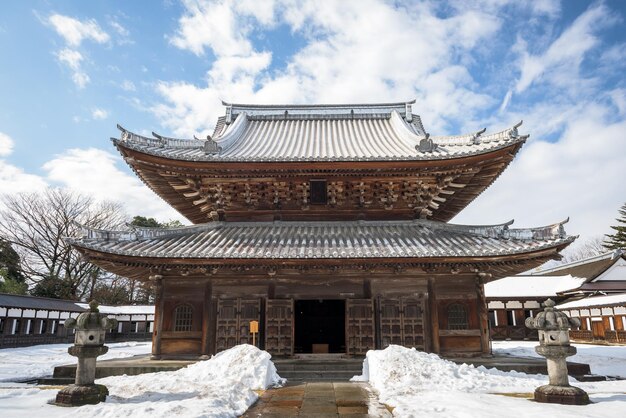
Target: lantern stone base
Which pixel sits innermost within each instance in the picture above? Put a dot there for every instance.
(78, 395)
(566, 395)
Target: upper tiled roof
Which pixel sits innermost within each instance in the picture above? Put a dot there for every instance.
(374, 132)
(329, 240)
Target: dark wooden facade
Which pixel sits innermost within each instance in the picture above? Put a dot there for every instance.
(370, 166)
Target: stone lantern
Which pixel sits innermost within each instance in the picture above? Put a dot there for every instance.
(90, 328)
(553, 327)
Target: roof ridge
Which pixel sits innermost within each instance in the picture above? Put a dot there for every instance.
(317, 105)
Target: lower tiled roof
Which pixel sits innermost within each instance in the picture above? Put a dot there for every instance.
(323, 240)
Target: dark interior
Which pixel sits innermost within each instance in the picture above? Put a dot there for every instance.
(320, 322)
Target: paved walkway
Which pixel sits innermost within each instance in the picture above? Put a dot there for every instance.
(320, 400)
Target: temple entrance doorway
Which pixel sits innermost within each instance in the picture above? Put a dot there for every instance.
(320, 326)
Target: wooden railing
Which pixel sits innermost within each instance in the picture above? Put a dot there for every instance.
(615, 337)
(581, 335)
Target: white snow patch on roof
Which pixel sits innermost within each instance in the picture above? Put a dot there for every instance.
(123, 310)
(595, 301)
(531, 286)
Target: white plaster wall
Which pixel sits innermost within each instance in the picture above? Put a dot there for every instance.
(617, 272)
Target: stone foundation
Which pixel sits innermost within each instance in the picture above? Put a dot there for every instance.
(75, 395)
(566, 395)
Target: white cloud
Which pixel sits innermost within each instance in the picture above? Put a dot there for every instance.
(97, 173)
(216, 25)
(81, 79)
(506, 101)
(560, 63)
(13, 179)
(93, 172)
(75, 31)
(73, 59)
(99, 114)
(6, 144)
(580, 176)
(121, 30)
(618, 96)
(128, 85)
(350, 45)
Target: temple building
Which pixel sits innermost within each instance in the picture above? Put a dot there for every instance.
(327, 224)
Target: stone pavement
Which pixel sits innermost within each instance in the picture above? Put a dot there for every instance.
(320, 400)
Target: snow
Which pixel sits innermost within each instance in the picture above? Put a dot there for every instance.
(123, 309)
(223, 386)
(413, 383)
(416, 384)
(602, 359)
(609, 300)
(531, 286)
(19, 364)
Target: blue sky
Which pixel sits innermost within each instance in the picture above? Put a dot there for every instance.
(73, 69)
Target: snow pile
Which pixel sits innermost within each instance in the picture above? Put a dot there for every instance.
(396, 369)
(417, 384)
(220, 387)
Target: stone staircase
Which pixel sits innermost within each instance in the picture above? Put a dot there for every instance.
(319, 368)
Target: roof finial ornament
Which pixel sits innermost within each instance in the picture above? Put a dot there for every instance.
(476, 139)
(229, 114)
(409, 113)
(210, 146)
(513, 132)
(426, 144)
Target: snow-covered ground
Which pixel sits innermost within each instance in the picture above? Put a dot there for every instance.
(417, 384)
(603, 360)
(223, 386)
(19, 364)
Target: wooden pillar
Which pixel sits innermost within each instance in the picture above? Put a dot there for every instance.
(206, 320)
(483, 314)
(158, 316)
(434, 315)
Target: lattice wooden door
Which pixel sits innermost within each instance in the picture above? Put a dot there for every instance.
(360, 326)
(412, 315)
(401, 322)
(390, 322)
(233, 317)
(279, 327)
(249, 310)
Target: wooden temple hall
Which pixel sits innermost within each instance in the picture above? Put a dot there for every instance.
(327, 224)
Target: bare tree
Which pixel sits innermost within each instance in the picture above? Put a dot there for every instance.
(588, 248)
(36, 223)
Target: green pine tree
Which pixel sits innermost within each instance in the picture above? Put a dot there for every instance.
(618, 239)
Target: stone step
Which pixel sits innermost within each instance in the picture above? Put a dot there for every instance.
(55, 381)
(319, 369)
(352, 366)
(317, 375)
